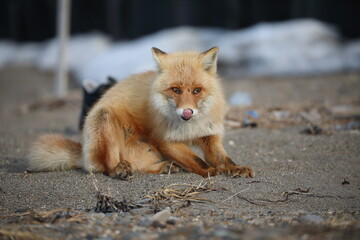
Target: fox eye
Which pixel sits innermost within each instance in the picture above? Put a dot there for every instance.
(176, 90)
(196, 90)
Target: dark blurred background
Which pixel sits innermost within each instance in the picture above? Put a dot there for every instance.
(34, 20)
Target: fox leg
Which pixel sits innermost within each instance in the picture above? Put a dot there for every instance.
(143, 156)
(187, 159)
(102, 142)
(216, 156)
(115, 146)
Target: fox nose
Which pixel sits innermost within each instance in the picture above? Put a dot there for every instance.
(187, 114)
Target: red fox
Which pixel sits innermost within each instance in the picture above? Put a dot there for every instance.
(149, 121)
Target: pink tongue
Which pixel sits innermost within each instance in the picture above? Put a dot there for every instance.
(187, 114)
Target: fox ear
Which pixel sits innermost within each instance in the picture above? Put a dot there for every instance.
(158, 55)
(209, 59)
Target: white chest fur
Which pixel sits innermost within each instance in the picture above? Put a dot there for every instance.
(195, 128)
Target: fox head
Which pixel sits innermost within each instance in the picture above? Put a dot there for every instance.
(185, 88)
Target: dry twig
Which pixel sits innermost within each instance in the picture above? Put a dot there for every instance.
(287, 194)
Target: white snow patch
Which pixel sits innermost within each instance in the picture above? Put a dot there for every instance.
(81, 50)
(294, 47)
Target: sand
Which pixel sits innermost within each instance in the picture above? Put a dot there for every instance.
(297, 175)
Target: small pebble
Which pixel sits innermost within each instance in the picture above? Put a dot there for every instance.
(310, 219)
(162, 216)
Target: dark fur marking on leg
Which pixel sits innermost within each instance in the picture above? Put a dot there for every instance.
(202, 163)
(206, 140)
(229, 161)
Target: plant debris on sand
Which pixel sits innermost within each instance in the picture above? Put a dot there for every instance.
(107, 204)
(169, 195)
(182, 191)
(112, 219)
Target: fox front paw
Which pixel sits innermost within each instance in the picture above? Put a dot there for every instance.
(123, 171)
(238, 171)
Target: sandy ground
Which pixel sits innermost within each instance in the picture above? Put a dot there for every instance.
(306, 186)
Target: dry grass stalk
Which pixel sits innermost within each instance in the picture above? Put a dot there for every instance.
(94, 181)
(182, 191)
(234, 195)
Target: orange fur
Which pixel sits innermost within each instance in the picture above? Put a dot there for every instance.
(149, 120)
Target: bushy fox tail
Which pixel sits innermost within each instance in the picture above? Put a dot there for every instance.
(53, 152)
